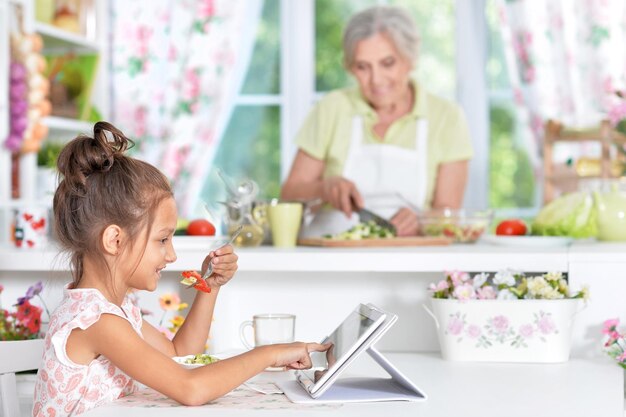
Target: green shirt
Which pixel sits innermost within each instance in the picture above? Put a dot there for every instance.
(327, 130)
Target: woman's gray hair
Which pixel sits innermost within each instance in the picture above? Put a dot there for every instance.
(396, 22)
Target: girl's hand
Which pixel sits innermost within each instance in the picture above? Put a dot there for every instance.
(296, 355)
(224, 262)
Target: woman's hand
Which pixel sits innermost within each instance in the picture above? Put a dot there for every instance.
(224, 262)
(342, 194)
(405, 221)
(296, 355)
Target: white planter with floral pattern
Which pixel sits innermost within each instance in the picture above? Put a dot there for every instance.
(505, 330)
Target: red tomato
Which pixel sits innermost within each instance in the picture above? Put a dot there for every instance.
(200, 227)
(512, 227)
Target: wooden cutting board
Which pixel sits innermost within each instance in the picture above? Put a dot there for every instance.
(396, 241)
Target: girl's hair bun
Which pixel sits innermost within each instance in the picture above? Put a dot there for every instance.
(84, 155)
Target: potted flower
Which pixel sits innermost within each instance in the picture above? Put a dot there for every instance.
(615, 345)
(21, 329)
(507, 317)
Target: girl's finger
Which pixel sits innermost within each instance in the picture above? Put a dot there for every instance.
(225, 250)
(224, 261)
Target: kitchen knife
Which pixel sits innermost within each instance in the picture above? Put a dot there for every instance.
(366, 215)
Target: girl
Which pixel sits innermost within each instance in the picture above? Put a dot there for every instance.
(115, 215)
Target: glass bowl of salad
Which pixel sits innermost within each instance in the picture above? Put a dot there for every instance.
(462, 225)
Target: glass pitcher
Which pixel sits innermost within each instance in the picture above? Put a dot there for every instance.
(252, 233)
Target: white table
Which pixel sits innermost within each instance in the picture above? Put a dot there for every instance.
(578, 388)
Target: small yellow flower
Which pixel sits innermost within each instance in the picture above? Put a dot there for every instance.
(177, 321)
(169, 301)
(182, 306)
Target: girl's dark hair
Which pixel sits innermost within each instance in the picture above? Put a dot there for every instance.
(101, 186)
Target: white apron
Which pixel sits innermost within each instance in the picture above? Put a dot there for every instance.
(387, 177)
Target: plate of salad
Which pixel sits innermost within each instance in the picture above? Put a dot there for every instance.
(195, 361)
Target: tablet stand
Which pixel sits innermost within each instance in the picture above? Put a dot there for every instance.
(361, 389)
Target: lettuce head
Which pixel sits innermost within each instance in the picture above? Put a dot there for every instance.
(573, 214)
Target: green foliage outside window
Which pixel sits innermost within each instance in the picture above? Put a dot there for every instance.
(250, 149)
(511, 179)
(263, 74)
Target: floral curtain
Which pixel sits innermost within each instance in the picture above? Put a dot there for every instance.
(565, 59)
(176, 68)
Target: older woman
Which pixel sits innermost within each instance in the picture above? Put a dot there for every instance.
(389, 146)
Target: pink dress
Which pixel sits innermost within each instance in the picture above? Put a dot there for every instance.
(65, 388)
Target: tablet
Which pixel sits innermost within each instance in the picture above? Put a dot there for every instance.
(348, 338)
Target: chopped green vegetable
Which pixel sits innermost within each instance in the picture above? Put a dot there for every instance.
(368, 230)
(572, 214)
(201, 359)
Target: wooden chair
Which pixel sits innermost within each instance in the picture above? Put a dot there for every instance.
(565, 179)
(17, 356)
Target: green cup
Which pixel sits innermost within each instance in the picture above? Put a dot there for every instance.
(285, 218)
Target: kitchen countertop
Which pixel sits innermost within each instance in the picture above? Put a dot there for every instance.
(468, 257)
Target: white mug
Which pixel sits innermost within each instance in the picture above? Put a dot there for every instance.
(31, 227)
(269, 329)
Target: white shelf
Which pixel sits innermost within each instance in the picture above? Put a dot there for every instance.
(476, 258)
(22, 202)
(62, 124)
(56, 39)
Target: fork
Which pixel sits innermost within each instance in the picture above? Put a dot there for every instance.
(209, 269)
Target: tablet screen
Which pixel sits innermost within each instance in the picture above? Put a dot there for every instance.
(346, 339)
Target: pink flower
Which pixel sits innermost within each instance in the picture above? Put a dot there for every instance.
(440, 286)
(500, 324)
(610, 325)
(172, 53)
(140, 121)
(486, 293)
(464, 292)
(617, 113)
(546, 325)
(622, 357)
(458, 277)
(206, 9)
(191, 85)
(473, 331)
(455, 326)
(529, 74)
(526, 331)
